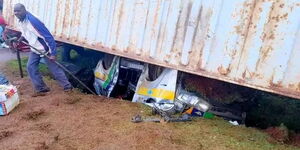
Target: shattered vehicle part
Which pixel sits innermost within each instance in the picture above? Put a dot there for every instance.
(229, 114)
(233, 111)
(183, 118)
(129, 74)
(194, 112)
(180, 106)
(130, 64)
(117, 77)
(164, 109)
(106, 78)
(192, 100)
(138, 118)
(161, 90)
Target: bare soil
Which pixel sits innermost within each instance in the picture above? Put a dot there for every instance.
(282, 135)
(278, 134)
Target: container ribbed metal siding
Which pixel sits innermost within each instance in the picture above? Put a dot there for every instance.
(255, 43)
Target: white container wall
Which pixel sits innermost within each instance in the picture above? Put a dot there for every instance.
(255, 43)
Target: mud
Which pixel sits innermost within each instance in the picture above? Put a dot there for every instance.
(280, 134)
(34, 115)
(5, 134)
(283, 135)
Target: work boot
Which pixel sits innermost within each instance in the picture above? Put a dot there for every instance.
(41, 93)
(45, 90)
(68, 90)
(36, 94)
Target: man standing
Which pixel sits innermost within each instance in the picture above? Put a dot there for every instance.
(38, 36)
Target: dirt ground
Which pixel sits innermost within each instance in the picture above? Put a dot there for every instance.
(70, 121)
(74, 121)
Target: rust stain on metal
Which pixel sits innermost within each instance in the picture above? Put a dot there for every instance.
(126, 50)
(277, 18)
(272, 84)
(57, 21)
(291, 86)
(249, 26)
(244, 74)
(167, 58)
(120, 15)
(285, 16)
(281, 5)
(238, 29)
(223, 71)
(175, 52)
(282, 91)
(186, 23)
(271, 36)
(76, 22)
(266, 52)
(241, 81)
(197, 46)
(114, 47)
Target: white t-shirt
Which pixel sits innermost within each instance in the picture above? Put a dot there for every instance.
(31, 35)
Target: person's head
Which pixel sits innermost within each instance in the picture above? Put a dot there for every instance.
(20, 11)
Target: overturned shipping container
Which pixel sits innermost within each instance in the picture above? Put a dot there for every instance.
(255, 43)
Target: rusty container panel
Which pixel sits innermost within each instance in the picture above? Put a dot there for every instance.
(254, 43)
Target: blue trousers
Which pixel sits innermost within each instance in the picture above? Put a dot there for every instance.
(36, 77)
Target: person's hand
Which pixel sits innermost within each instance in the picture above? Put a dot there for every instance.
(20, 39)
(14, 44)
(52, 58)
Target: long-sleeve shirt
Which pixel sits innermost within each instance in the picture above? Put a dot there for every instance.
(37, 35)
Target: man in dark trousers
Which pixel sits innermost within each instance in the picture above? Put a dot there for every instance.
(38, 36)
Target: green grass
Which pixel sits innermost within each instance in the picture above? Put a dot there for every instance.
(221, 134)
(217, 133)
(13, 66)
(200, 133)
